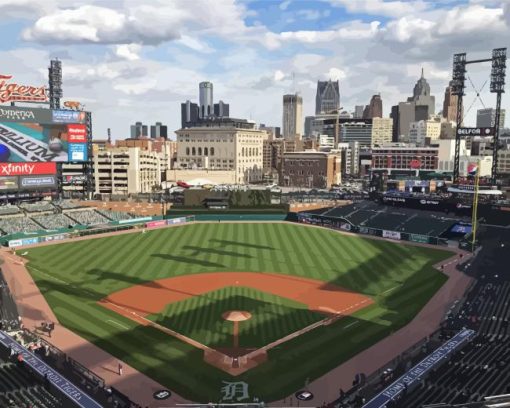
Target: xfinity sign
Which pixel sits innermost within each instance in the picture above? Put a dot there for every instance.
(484, 131)
(27, 169)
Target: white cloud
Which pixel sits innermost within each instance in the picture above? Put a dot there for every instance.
(129, 52)
(194, 44)
(381, 7)
(284, 4)
(336, 74)
(278, 75)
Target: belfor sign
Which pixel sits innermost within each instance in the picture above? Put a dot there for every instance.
(11, 91)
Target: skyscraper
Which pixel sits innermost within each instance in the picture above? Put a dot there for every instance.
(327, 98)
(221, 109)
(206, 99)
(487, 118)
(138, 130)
(375, 109)
(421, 95)
(292, 116)
(189, 113)
(358, 112)
(159, 130)
(450, 104)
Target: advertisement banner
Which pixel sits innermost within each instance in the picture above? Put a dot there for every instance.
(15, 114)
(13, 243)
(423, 239)
(415, 374)
(76, 133)
(481, 131)
(29, 241)
(38, 182)
(363, 230)
(132, 220)
(35, 142)
(154, 224)
(11, 91)
(27, 169)
(391, 234)
(9, 183)
(68, 116)
(58, 237)
(173, 221)
(77, 151)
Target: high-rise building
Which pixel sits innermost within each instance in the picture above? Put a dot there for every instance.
(292, 116)
(357, 132)
(487, 118)
(327, 99)
(206, 99)
(382, 131)
(221, 109)
(159, 130)
(423, 129)
(450, 104)
(422, 97)
(396, 127)
(358, 112)
(375, 109)
(189, 113)
(366, 112)
(138, 130)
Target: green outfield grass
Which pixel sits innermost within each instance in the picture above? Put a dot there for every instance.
(272, 317)
(74, 276)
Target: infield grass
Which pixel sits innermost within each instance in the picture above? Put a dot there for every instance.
(74, 276)
(272, 317)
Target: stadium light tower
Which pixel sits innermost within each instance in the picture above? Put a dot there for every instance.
(498, 87)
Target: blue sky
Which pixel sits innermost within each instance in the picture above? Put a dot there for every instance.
(138, 59)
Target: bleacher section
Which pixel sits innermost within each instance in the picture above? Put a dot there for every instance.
(19, 224)
(9, 210)
(483, 366)
(53, 221)
(374, 215)
(115, 215)
(37, 207)
(45, 215)
(9, 317)
(88, 217)
(19, 390)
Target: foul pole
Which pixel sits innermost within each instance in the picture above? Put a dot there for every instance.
(474, 215)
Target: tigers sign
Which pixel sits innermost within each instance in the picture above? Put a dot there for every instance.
(12, 91)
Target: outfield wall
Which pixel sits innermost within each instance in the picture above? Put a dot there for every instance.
(345, 225)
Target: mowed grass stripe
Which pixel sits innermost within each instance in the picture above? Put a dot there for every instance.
(353, 262)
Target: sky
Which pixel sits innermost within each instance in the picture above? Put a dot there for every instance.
(137, 60)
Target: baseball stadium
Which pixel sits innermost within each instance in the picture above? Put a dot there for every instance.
(229, 308)
(197, 304)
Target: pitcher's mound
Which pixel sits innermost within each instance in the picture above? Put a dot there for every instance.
(236, 316)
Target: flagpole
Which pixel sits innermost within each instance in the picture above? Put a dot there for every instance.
(474, 218)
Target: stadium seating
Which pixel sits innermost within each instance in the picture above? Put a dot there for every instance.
(66, 204)
(88, 217)
(482, 368)
(19, 224)
(431, 225)
(9, 318)
(37, 207)
(9, 209)
(115, 215)
(53, 221)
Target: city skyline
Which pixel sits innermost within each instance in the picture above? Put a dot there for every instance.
(253, 52)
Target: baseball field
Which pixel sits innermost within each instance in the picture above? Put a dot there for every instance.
(308, 298)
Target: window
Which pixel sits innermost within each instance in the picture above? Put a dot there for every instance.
(187, 151)
(212, 151)
(200, 151)
(193, 151)
(206, 151)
